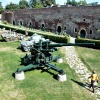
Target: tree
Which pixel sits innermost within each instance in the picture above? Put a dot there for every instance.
(23, 4)
(39, 6)
(1, 8)
(11, 6)
(41, 3)
(68, 1)
(33, 3)
(82, 2)
(48, 2)
(74, 3)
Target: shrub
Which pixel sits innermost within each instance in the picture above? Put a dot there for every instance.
(5, 22)
(83, 40)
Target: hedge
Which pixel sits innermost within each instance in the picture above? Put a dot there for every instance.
(83, 40)
(48, 35)
(51, 36)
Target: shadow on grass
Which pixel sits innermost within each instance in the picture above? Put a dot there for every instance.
(86, 85)
(43, 70)
(1, 40)
(54, 75)
(13, 74)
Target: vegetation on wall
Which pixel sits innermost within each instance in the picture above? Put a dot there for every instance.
(41, 4)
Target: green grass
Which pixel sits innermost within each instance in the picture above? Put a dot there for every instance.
(90, 57)
(37, 85)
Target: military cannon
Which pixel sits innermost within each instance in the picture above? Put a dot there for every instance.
(40, 55)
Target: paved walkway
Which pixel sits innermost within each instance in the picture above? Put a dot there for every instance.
(83, 73)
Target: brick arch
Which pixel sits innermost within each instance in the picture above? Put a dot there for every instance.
(42, 25)
(30, 24)
(59, 28)
(82, 33)
(14, 22)
(20, 22)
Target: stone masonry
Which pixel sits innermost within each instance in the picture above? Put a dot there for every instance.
(81, 20)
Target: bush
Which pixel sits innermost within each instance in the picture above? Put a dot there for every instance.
(5, 22)
(83, 40)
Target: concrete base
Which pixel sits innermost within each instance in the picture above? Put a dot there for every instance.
(19, 75)
(60, 60)
(62, 78)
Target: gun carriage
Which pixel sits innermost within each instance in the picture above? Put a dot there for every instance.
(41, 55)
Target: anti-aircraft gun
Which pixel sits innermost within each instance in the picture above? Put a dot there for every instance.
(40, 55)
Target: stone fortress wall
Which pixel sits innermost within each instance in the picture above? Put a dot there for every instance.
(81, 20)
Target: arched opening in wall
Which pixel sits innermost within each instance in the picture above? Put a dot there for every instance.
(20, 23)
(82, 33)
(91, 31)
(75, 30)
(59, 29)
(30, 24)
(65, 28)
(84, 20)
(33, 25)
(13, 22)
(42, 27)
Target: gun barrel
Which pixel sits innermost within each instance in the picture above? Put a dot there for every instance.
(69, 44)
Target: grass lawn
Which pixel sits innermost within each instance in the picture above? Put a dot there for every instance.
(91, 58)
(38, 85)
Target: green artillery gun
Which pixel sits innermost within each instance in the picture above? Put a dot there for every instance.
(40, 56)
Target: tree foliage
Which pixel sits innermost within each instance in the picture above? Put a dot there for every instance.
(33, 3)
(39, 6)
(68, 1)
(23, 4)
(82, 2)
(74, 3)
(41, 3)
(11, 6)
(1, 8)
(48, 2)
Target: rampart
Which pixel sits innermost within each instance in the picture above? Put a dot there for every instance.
(81, 20)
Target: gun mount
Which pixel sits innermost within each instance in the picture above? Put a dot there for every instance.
(40, 55)
(26, 45)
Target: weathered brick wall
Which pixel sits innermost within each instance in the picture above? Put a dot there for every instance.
(83, 21)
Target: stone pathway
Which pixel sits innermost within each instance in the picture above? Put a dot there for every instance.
(83, 73)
